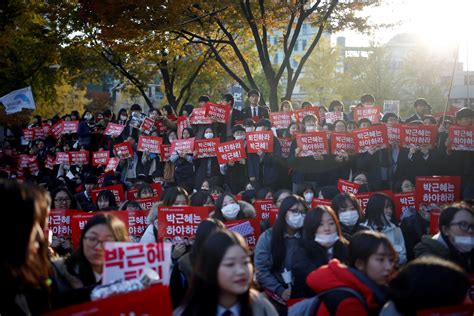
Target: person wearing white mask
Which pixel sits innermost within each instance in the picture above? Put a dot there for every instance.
(275, 252)
(235, 173)
(229, 209)
(455, 240)
(308, 195)
(349, 213)
(206, 167)
(322, 241)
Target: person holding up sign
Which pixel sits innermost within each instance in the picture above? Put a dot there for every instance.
(235, 173)
(184, 167)
(76, 276)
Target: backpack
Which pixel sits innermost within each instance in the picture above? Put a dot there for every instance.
(309, 306)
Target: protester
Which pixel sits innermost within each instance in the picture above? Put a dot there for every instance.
(228, 208)
(349, 212)
(63, 199)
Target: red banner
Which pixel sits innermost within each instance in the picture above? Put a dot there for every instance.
(28, 134)
(301, 113)
(369, 137)
(320, 202)
(403, 201)
(39, 132)
(70, 127)
(370, 112)
(198, 117)
(364, 197)
(56, 129)
(247, 228)
(116, 189)
(206, 147)
(62, 158)
(46, 127)
(393, 133)
(281, 120)
(312, 143)
(332, 117)
(231, 151)
(100, 158)
(461, 138)
(182, 146)
(33, 167)
(217, 112)
(150, 143)
(259, 141)
(182, 123)
(434, 221)
(342, 142)
(114, 130)
(285, 143)
(347, 186)
(176, 222)
(147, 125)
(165, 152)
(59, 224)
(266, 210)
(147, 203)
(112, 164)
(418, 135)
(49, 162)
(133, 303)
(437, 190)
(79, 157)
(123, 150)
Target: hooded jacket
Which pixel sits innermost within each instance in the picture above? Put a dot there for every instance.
(335, 275)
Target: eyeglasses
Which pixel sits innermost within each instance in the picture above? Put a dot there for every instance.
(298, 212)
(60, 200)
(464, 226)
(93, 241)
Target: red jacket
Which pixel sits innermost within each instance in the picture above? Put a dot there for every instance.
(335, 275)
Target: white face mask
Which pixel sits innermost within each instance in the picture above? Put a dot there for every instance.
(208, 135)
(310, 129)
(464, 243)
(326, 240)
(88, 117)
(295, 221)
(239, 137)
(123, 117)
(349, 218)
(230, 211)
(260, 129)
(249, 129)
(308, 197)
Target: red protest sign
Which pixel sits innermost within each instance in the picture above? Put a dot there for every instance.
(62, 158)
(372, 136)
(147, 124)
(347, 186)
(165, 152)
(461, 138)
(70, 127)
(393, 133)
(33, 167)
(332, 117)
(116, 189)
(231, 151)
(124, 150)
(198, 117)
(434, 221)
(281, 120)
(57, 129)
(301, 113)
(247, 228)
(137, 224)
(113, 129)
(132, 303)
(79, 157)
(59, 224)
(180, 221)
(24, 160)
(403, 201)
(217, 112)
(28, 134)
(150, 143)
(342, 142)
(132, 194)
(100, 158)
(320, 202)
(49, 162)
(259, 141)
(364, 197)
(370, 112)
(147, 203)
(46, 127)
(206, 147)
(285, 143)
(182, 146)
(312, 143)
(112, 164)
(126, 261)
(418, 135)
(182, 123)
(38, 132)
(266, 210)
(437, 190)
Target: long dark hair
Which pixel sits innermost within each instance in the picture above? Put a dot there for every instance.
(365, 243)
(313, 220)
(19, 267)
(340, 200)
(374, 210)
(279, 228)
(218, 209)
(109, 196)
(203, 294)
(170, 195)
(77, 264)
(69, 194)
(204, 230)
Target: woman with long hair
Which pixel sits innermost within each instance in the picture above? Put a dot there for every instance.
(76, 276)
(275, 251)
(221, 280)
(349, 213)
(228, 208)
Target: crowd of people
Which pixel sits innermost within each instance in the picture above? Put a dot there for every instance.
(357, 260)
